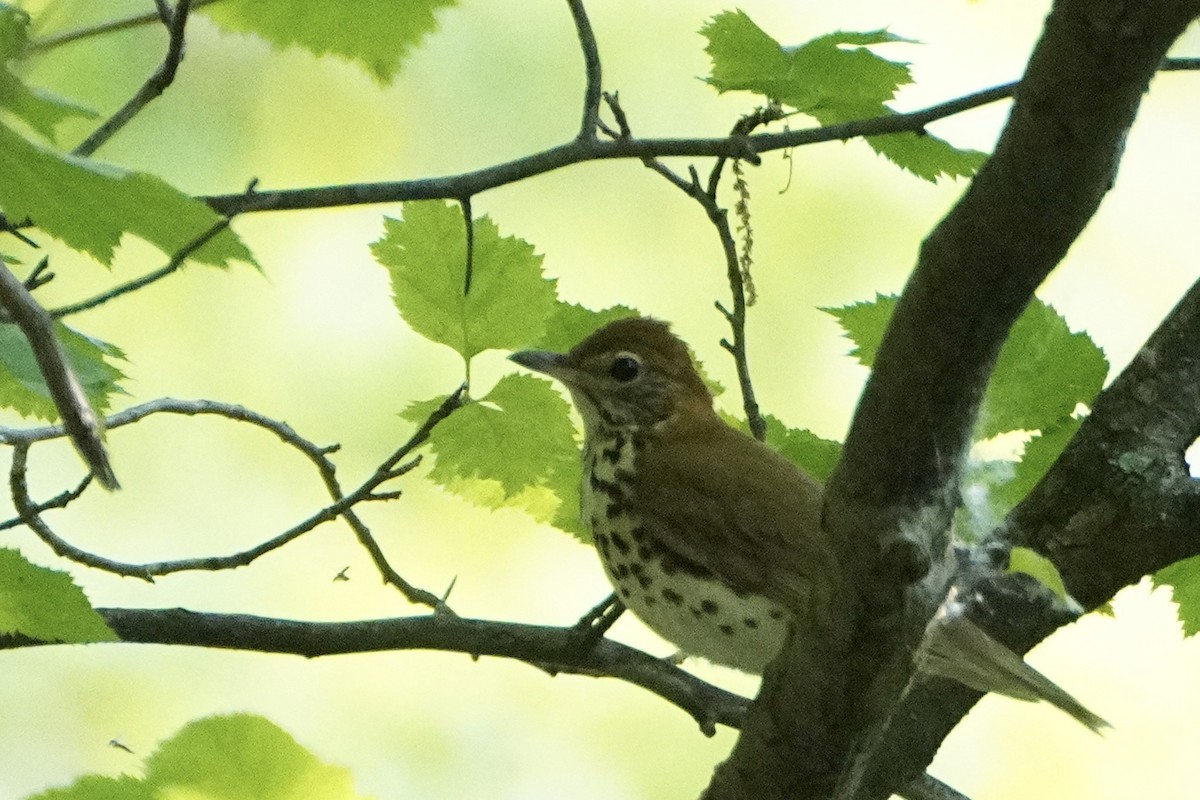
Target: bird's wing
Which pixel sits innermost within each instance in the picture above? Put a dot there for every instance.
(734, 507)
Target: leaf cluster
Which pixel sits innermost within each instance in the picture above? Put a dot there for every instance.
(227, 757)
(833, 78)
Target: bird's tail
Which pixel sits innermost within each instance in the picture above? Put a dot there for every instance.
(956, 648)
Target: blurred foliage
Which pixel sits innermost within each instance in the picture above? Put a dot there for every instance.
(23, 388)
(38, 108)
(45, 604)
(231, 757)
(377, 34)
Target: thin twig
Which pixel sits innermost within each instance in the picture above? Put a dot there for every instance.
(342, 506)
(613, 100)
(737, 268)
(6, 226)
(60, 500)
(104, 28)
(164, 12)
(30, 515)
(177, 261)
(591, 65)
(79, 420)
(155, 85)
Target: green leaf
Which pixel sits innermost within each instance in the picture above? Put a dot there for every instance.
(89, 206)
(242, 756)
(1183, 577)
(834, 72)
(744, 56)
(925, 155)
(14, 31)
(232, 757)
(512, 435)
(45, 604)
(570, 323)
(564, 481)
(425, 254)
(514, 447)
(40, 109)
(378, 34)
(864, 324)
(100, 787)
(418, 411)
(1041, 452)
(1022, 559)
(23, 388)
(810, 452)
(1044, 371)
(832, 78)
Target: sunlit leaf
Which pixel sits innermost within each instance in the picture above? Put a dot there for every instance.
(378, 34)
(242, 756)
(23, 388)
(89, 206)
(500, 450)
(813, 454)
(833, 78)
(864, 324)
(513, 435)
(101, 787)
(1022, 559)
(1184, 579)
(46, 604)
(569, 323)
(1041, 451)
(425, 253)
(924, 155)
(1044, 371)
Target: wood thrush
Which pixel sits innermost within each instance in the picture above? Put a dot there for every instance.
(709, 536)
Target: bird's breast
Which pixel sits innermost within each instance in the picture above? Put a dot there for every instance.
(677, 598)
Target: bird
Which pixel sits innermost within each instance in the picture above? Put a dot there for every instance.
(711, 537)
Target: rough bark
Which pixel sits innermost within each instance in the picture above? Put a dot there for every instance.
(818, 723)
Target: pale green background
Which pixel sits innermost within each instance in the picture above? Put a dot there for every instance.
(316, 342)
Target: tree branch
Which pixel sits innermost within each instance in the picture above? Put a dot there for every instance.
(80, 422)
(558, 647)
(591, 64)
(1120, 503)
(1117, 504)
(452, 187)
(889, 503)
(343, 504)
(155, 85)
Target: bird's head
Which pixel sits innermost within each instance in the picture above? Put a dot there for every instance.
(631, 373)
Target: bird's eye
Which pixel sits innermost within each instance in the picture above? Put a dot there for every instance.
(625, 367)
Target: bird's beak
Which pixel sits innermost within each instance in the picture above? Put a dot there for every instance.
(543, 361)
